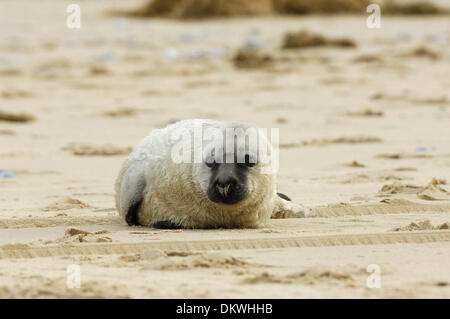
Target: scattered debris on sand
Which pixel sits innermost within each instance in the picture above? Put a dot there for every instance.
(418, 7)
(350, 140)
(306, 39)
(384, 96)
(10, 72)
(7, 174)
(94, 150)
(202, 9)
(431, 100)
(251, 59)
(442, 283)
(121, 112)
(354, 164)
(65, 204)
(368, 58)
(7, 132)
(367, 112)
(74, 231)
(396, 156)
(405, 97)
(99, 70)
(16, 117)
(405, 169)
(319, 6)
(339, 140)
(198, 9)
(423, 52)
(15, 94)
(423, 225)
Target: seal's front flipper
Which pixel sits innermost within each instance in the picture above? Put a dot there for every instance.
(132, 193)
(285, 208)
(167, 224)
(132, 215)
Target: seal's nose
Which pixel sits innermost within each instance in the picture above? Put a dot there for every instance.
(225, 188)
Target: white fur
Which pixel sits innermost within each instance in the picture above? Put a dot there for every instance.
(176, 192)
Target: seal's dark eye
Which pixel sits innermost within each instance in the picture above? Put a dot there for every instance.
(249, 161)
(210, 162)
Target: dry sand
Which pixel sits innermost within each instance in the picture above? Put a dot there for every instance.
(364, 134)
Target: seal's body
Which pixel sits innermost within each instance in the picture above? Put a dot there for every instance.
(187, 175)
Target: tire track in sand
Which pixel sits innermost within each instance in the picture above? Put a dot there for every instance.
(380, 209)
(328, 211)
(23, 251)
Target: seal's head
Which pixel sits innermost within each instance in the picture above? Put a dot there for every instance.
(228, 181)
(231, 173)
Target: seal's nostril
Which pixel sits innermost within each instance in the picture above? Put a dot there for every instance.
(226, 191)
(223, 189)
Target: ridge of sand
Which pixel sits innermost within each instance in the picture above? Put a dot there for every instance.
(59, 221)
(397, 207)
(24, 251)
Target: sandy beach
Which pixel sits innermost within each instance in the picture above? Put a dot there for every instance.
(364, 142)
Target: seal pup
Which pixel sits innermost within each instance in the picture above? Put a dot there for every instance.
(202, 174)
